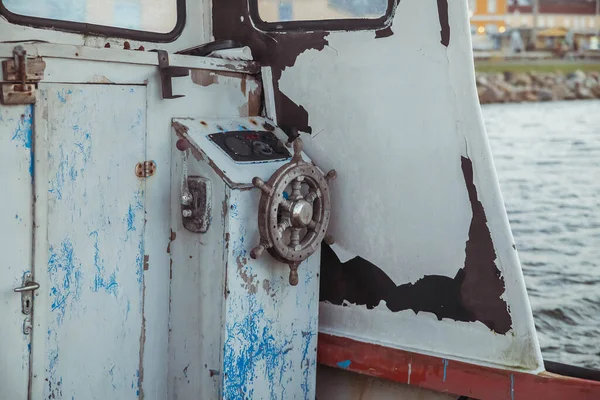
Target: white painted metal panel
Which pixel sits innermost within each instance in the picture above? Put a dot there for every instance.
(16, 168)
(270, 343)
(197, 294)
(90, 257)
(397, 126)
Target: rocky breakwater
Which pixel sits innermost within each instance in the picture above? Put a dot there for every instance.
(510, 87)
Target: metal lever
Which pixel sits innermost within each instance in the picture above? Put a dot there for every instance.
(29, 286)
(27, 292)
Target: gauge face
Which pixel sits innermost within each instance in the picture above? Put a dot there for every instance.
(238, 146)
(250, 146)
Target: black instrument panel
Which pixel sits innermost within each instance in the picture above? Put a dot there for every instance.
(250, 146)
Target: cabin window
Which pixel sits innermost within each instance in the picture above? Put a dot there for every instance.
(153, 20)
(325, 14)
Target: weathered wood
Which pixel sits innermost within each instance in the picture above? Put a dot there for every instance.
(17, 94)
(35, 70)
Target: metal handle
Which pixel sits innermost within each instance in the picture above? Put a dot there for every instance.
(28, 287)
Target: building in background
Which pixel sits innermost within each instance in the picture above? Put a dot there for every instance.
(488, 16)
(575, 22)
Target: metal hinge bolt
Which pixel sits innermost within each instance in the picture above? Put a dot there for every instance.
(145, 169)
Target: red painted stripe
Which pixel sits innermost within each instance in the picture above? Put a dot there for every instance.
(450, 376)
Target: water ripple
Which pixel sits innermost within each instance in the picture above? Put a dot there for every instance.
(548, 161)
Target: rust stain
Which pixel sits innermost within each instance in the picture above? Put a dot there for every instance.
(243, 85)
(171, 269)
(266, 284)
(226, 286)
(224, 212)
(203, 123)
(180, 129)
(126, 46)
(204, 77)
(171, 239)
(250, 285)
(146, 259)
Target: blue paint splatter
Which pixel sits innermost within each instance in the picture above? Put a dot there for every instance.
(344, 364)
(62, 95)
(24, 131)
(139, 261)
(445, 367)
(308, 361)
(135, 206)
(250, 346)
(65, 275)
(24, 134)
(138, 120)
(234, 212)
(109, 284)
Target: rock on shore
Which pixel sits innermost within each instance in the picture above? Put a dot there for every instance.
(537, 86)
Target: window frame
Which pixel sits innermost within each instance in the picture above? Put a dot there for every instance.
(99, 30)
(349, 24)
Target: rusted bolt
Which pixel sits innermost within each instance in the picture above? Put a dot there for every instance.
(182, 145)
(329, 240)
(107, 46)
(141, 48)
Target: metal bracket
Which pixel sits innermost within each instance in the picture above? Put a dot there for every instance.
(145, 169)
(196, 211)
(26, 72)
(167, 73)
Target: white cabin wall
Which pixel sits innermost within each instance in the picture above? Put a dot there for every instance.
(396, 116)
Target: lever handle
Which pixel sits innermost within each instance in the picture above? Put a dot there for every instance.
(28, 287)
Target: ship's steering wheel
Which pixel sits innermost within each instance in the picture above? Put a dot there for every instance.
(294, 210)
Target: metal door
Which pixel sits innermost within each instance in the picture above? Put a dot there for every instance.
(15, 245)
(89, 241)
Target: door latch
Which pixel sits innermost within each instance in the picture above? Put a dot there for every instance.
(25, 73)
(196, 204)
(26, 290)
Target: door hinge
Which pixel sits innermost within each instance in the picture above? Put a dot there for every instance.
(145, 169)
(26, 73)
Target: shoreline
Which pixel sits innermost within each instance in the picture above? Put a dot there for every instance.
(518, 87)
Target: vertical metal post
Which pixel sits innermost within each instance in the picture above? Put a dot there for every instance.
(536, 11)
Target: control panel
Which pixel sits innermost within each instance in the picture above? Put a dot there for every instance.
(250, 146)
